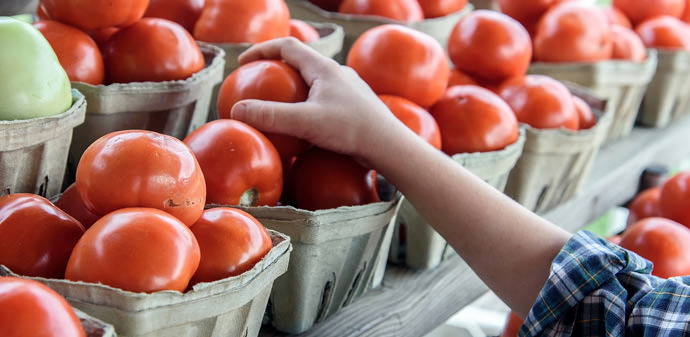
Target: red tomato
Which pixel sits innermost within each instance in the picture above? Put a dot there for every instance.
(325, 180)
(663, 242)
(231, 242)
(37, 237)
(474, 119)
(268, 80)
(101, 36)
(170, 53)
(77, 52)
(489, 45)
(641, 10)
(627, 45)
(527, 12)
(664, 32)
(329, 5)
(29, 308)
(414, 117)
(585, 113)
(674, 199)
(512, 326)
(240, 164)
(95, 14)
(645, 205)
(184, 12)
(616, 17)
(573, 32)
(139, 168)
(242, 21)
(686, 12)
(400, 61)
(399, 10)
(70, 202)
(541, 102)
(438, 8)
(303, 31)
(136, 249)
(458, 77)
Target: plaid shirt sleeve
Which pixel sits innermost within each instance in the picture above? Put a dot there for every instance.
(596, 288)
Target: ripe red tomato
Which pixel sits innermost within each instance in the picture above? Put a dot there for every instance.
(573, 31)
(645, 205)
(585, 113)
(240, 164)
(674, 198)
(663, 242)
(474, 119)
(418, 119)
(512, 326)
(139, 168)
(438, 8)
(616, 17)
(136, 249)
(541, 102)
(101, 36)
(231, 242)
(77, 52)
(627, 45)
(527, 12)
(400, 10)
(641, 10)
(664, 32)
(303, 31)
(37, 237)
(90, 14)
(29, 308)
(397, 60)
(325, 180)
(489, 45)
(686, 12)
(269, 80)
(170, 54)
(70, 202)
(184, 12)
(242, 21)
(458, 77)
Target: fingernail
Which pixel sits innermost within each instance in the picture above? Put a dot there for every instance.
(238, 108)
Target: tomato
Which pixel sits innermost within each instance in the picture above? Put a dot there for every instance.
(138, 250)
(101, 36)
(686, 12)
(70, 202)
(95, 14)
(541, 102)
(399, 10)
(240, 165)
(37, 237)
(303, 31)
(78, 53)
(573, 32)
(674, 198)
(615, 239)
(139, 168)
(615, 16)
(645, 205)
(527, 12)
(325, 180)
(627, 45)
(170, 54)
(474, 119)
(30, 308)
(490, 45)
(414, 117)
(458, 77)
(584, 112)
(400, 61)
(438, 8)
(663, 242)
(641, 10)
(664, 32)
(184, 12)
(329, 5)
(242, 21)
(269, 80)
(512, 326)
(231, 242)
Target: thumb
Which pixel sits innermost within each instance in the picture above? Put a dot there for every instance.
(269, 116)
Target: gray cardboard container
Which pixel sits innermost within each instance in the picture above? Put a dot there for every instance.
(555, 163)
(422, 247)
(355, 25)
(486, 4)
(94, 327)
(174, 108)
(33, 152)
(338, 255)
(232, 307)
(622, 83)
(668, 94)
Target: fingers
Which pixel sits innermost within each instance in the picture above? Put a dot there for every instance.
(268, 116)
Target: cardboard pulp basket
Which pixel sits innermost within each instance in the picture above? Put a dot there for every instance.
(94, 327)
(174, 108)
(233, 306)
(33, 152)
(668, 94)
(622, 83)
(415, 243)
(555, 163)
(338, 255)
(356, 25)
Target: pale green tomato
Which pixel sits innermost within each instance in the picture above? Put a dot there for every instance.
(32, 82)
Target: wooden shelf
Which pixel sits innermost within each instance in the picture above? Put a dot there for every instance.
(412, 303)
